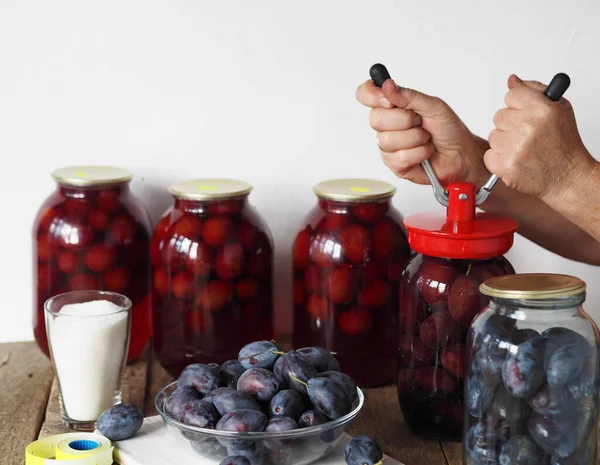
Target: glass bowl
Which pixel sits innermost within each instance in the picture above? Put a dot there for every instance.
(295, 447)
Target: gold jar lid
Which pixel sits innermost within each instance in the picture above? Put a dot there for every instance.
(210, 189)
(354, 190)
(533, 286)
(90, 175)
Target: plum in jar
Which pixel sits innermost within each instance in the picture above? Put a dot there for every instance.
(532, 374)
(212, 264)
(347, 259)
(439, 297)
(92, 233)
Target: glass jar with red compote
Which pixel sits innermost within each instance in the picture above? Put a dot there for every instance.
(212, 262)
(92, 233)
(348, 258)
(439, 297)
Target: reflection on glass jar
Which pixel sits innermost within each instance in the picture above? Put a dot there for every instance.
(439, 297)
(532, 374)
(93, 234)
(212, 260)
(348, 257)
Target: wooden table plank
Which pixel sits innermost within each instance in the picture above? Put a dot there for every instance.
(453, 452)
(25, 378)
(134, 390)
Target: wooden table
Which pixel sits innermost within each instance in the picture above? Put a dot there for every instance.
(29, 408)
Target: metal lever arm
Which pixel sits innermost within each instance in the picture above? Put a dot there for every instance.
(555, 90)
(379, 74)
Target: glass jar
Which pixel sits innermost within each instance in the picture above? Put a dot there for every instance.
(212, 261)
(93, 234)
(348, 257)
(439, 297)
(532, 374)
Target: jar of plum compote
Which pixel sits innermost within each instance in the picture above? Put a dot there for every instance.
(532, 374)
(348, 258)
(439, 297)
(93, 234)
(212, 262)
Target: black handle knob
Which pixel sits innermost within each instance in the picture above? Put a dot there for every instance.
(379, 74)
(557, 87)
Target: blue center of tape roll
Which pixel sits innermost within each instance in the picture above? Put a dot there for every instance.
(84, 444)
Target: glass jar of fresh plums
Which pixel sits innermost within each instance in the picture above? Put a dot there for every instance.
(532, 374)
(212, 261)
(348, 258)
(439, 297)
(93, 234)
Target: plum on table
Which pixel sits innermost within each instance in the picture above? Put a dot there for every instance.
(362, 450)
(120, 422)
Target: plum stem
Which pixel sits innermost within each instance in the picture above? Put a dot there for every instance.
(299, 380)
(278, 352)
(468, 269)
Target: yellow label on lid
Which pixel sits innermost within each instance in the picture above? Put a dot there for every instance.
(207, 188)
(82, 175)
(360, 189)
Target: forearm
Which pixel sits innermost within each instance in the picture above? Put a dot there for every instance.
(564, 226)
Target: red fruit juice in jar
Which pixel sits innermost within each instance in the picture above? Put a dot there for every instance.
(212, 262)
(93, 234)
(439, 297)
(347, 259)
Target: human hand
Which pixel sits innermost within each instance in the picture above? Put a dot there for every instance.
(536, 147)
(413, 127)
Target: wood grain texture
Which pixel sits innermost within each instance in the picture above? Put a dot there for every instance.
(25, 378)
(382, 420)
(157, 379)
(453, 452)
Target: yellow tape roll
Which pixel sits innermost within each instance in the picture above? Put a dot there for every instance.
(76, 448)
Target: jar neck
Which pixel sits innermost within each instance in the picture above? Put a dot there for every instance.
(341, 207)
(82, 192)
(201, 206)
(539, 305)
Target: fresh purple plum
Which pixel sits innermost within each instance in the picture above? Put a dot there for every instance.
(579, 457)
(203, 378)
(278, 424)
(479, 397)
(482, 444)
(296, 367)
(253, 452)
(198, 413)
(120, 422)
(287, 403)
(235, 460)
(181, 395)
(230, 372)
(241, 421)
(586, 384)
(551, 401)
(322, 359)
(520, 450)
(520, 336)
(343, 380)
(277, 371)
(259, 354)
(311, 418)
(566, 363)
(211, 395)
(362, 450)
(560, 437)
(511, 411)
(229, 401)
(326, 395)
(523, 369)
(259, 383)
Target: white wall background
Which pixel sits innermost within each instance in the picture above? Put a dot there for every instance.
(258, 90)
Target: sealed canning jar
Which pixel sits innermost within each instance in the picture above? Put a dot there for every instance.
(93, 234)
(348, 257)
(439, 298)
(212, 261)
(532, 374)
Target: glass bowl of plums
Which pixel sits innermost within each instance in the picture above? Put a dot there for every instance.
(269, 406)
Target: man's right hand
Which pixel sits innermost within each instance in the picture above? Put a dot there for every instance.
(413, 127)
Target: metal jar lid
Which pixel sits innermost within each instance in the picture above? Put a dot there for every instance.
(533, 286)
(91, 175)
(210, 189)
(354, 190)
